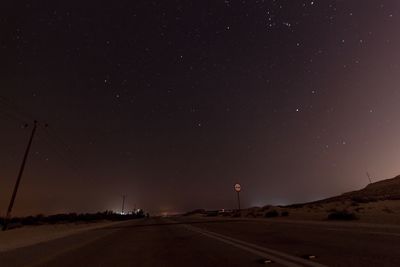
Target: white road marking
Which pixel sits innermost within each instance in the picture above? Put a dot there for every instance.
(277, 256)
(255, 252)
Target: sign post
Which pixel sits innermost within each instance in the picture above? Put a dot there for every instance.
(237, 189)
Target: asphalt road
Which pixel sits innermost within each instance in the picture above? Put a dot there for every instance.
(217, 242)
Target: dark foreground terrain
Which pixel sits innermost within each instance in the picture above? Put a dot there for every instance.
(183, 241)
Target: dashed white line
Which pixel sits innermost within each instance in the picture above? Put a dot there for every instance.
(276, 256)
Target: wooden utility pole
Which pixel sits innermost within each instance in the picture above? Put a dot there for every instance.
(21, 170)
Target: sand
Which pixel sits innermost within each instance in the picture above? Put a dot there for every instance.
(30, 235)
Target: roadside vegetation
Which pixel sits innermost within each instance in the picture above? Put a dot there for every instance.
(41, 219)
(342, 215)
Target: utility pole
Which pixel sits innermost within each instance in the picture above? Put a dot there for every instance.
(123, 204)
(369, 178)
(21, 170)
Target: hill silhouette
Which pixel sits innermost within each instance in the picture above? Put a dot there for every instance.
(388, 189)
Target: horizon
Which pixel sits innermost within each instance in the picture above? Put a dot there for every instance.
(180, 212)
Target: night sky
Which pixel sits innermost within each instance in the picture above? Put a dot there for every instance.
(172, 102)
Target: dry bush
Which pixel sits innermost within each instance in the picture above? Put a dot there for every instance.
(271, 214)
(342, 215)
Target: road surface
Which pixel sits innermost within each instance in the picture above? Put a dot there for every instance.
(182, 241)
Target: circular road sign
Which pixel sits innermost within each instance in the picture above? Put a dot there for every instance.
(237, 187)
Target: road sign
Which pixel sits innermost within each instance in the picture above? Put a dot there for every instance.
(237, 187)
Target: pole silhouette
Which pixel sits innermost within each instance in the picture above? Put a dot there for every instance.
(369, 178)
(238, 198)
(21, 171)
(123, 204)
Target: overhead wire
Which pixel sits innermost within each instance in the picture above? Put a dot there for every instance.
(61, 155)
(15, 109)
(11, 117)
(12, 112)
(58, 141)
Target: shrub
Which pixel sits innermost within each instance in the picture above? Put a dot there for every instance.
(362, 199)
(271, 213)
(354, 204)
(251, 214)
(386, 209)
(70, 218)
(30, 220)
(358, 209)
(266, 207)
(343, 215)
(284, 213)
(236, 214)
(296, 206)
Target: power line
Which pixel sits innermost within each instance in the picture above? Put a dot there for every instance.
(62, 151)
(12, 117)
(17, 110)
(58, 141)
(51, 144)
